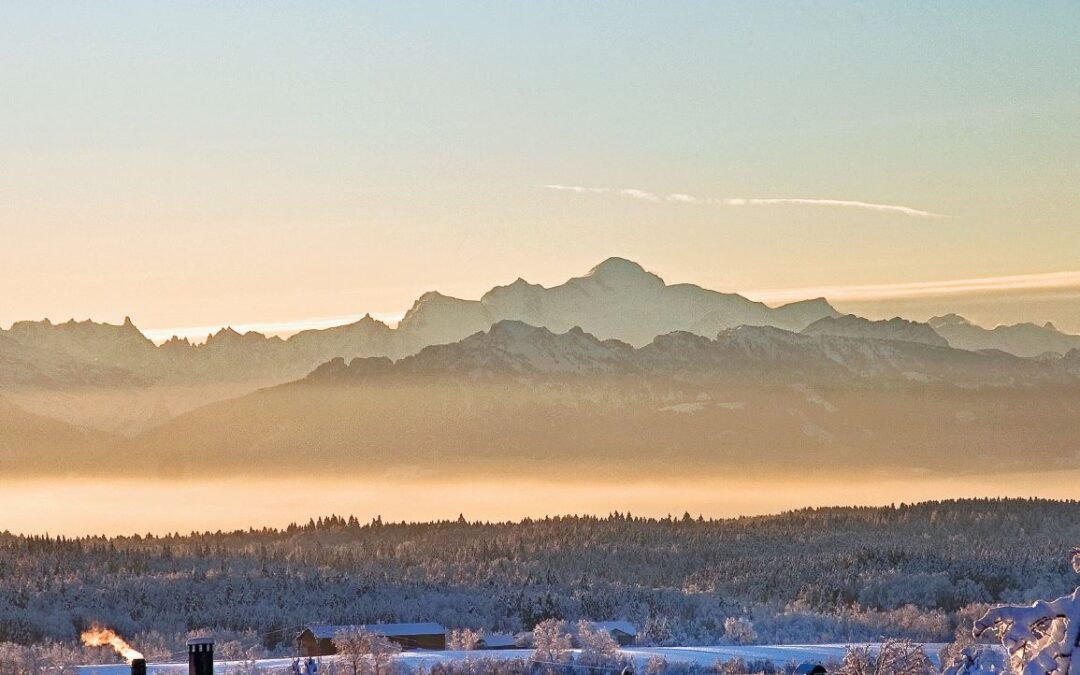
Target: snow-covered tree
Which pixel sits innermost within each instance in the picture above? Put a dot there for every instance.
(893, 657)
(551, 643)
(739, 631)
(363, 651)
(597, 646)
(464, 639)
(1040, 638)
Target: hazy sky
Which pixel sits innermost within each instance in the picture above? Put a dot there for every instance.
(191, 164)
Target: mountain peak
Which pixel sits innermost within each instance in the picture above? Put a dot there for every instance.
(617, 267)
(852, 326)
(948, 320)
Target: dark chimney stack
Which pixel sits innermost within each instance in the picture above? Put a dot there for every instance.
(138, 667)
(200, 656)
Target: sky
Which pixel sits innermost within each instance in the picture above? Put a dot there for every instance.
(268, 163)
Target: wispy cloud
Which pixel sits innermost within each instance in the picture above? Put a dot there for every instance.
(1042, 282)
(680, 198)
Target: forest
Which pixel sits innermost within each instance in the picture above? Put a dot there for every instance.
(815, 575)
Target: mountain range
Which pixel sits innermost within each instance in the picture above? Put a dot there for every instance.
(611, 364)
(518, 398)
(114, 378)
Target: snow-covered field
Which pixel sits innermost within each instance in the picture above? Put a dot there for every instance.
(777, 654)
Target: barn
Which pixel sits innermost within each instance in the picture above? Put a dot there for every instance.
(623, 632)
(497, 641)
(319, 640)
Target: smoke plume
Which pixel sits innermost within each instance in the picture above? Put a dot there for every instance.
(102, 637)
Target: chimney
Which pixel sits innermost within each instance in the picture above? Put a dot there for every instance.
(200, 656)
(138, 667)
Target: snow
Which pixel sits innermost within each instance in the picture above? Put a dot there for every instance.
(411, 660)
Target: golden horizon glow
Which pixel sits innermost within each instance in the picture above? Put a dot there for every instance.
(107, 506)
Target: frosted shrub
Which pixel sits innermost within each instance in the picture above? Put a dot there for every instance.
(464, 639)
(895, 657)
(362, 652)
(1039, 638)
(551, 643)
(656, 632)
(739, 631)
(655, 665)
(598, 648)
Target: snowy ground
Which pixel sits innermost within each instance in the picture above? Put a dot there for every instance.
(778, 654)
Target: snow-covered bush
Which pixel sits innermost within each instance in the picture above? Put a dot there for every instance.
(464, 639)
(598, 648)
(552, 643)
(894, 657)
(362, 651)
(1039, 638)
(656, 632)
(739, 631)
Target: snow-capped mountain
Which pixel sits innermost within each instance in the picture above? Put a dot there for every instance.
(621, 317)
(617, 299)
(853, 326)
(501, 400)
(760, 352)
(1022, 339)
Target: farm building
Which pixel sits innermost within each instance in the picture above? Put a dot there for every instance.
(497, 641)
(623, 632)
(319, 640)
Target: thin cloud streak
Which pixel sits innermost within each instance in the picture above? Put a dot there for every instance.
(680, 198)
(925, 289)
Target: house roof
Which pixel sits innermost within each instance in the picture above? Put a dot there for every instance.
(327, 632)
(499, 640)
(621, 626)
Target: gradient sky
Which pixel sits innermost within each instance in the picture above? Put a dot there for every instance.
(193, 164)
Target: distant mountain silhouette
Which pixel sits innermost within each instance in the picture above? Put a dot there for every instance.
(759, 352)
(516, 399)
(893, 329)
(1022, 339)
(112, 378)
(616, 299)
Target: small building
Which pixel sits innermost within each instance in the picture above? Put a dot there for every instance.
(623, 632)
(319, 640)
(810, 669)
(497, 641)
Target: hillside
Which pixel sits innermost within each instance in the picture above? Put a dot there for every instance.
(37, 445)
(815, 575)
